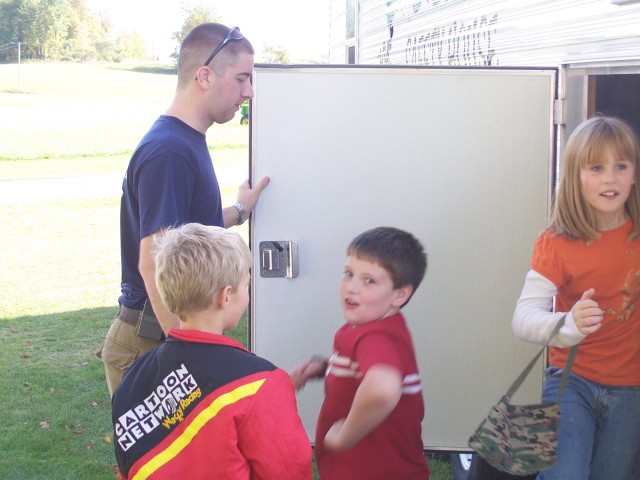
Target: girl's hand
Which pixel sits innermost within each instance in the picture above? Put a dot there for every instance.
(587, 315)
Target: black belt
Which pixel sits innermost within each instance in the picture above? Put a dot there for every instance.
(146, 324)
(129, 316)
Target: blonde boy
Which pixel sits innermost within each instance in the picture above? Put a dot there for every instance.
(370, 422)
(200, 405)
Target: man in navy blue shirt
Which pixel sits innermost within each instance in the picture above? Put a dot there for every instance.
(170, 181)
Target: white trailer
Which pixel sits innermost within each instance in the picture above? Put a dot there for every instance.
(595, 42)
(443, 127)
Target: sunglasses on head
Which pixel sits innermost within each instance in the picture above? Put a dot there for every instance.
(234, 34)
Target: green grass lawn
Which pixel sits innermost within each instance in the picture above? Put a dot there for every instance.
(59, 261)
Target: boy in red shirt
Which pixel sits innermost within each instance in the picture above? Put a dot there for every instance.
(370, 422)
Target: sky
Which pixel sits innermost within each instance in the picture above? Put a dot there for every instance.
(300, 26)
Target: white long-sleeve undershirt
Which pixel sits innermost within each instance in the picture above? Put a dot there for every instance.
(534, 320)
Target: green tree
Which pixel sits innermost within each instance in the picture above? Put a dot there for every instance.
(16, 20)
(201, 13)
(86, 32)
(27, 33)
(52, 30)
(130, 46)
(10, 22)
(105, 46)
(275, 54)
(52, 27)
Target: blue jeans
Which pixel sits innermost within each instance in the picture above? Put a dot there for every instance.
(599, 431)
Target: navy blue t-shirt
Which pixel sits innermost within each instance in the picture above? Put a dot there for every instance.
(170, 181)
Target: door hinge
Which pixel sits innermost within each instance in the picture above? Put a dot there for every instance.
(558, 112)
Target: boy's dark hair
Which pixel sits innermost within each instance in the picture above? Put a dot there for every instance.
(397, 251)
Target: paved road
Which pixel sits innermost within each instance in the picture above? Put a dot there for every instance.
(14, 192)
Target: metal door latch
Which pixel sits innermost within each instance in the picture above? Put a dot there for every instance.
(278, 258)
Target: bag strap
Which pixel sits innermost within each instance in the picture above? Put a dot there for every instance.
(567, 370)
(565, 374)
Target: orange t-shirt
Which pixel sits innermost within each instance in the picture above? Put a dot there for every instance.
(610, 265)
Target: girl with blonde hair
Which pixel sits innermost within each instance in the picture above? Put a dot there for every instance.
(588, 261)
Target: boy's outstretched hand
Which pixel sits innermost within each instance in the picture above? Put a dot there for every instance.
(313, 368)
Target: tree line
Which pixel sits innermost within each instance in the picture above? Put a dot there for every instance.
(67, 30)
(61, 30)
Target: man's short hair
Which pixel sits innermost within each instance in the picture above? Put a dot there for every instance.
(395, 250)
(201, 42)
(194, 262)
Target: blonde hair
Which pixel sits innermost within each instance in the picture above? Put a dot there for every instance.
(572, 216)
(200, 43)
(194, 262)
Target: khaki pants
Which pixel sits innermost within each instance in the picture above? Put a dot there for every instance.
(121, 347)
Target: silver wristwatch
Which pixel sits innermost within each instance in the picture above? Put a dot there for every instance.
(243, 213)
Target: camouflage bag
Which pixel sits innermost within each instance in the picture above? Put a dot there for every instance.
(522, 439)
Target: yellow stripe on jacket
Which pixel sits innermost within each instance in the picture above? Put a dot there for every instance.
(192, 430)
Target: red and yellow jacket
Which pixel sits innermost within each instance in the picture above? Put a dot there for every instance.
(201, 406)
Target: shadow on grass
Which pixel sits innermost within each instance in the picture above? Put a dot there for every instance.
(164, 69)
(57, 409)
(13, 90)
(160, 69)
(57, 414)
(57, 420)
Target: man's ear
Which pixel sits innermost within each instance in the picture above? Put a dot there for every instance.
(222, 298)
(204, 76)
(402, 295)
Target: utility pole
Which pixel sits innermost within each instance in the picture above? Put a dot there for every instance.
(19, 80)
(10, 46)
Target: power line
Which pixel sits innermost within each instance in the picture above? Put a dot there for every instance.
(8, 45)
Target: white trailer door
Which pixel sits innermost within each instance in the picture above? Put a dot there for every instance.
(462, 158)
